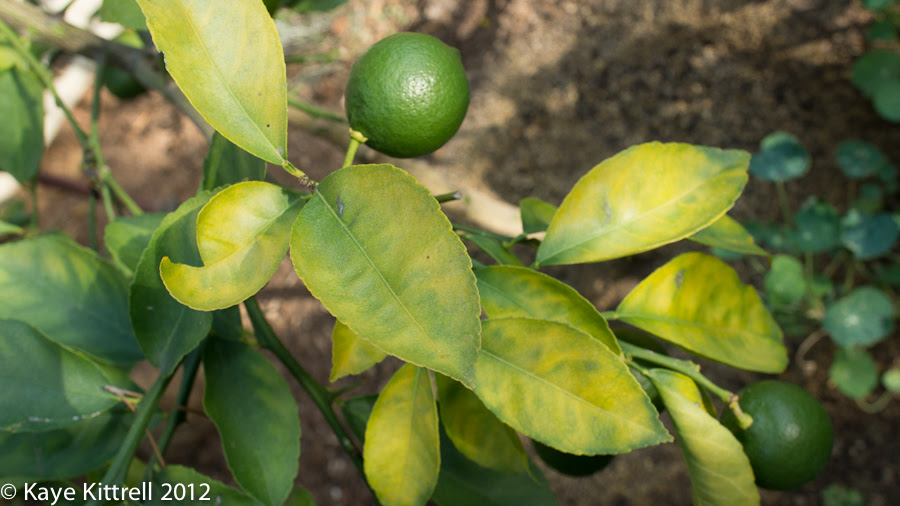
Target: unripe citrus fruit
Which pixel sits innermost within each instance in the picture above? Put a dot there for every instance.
(791, 437)
(120, 82)
(408, 94)
(569, 464)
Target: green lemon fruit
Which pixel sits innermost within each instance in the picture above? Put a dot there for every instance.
(120, 82)
(790, 439)
(569, 464)
(408, 94)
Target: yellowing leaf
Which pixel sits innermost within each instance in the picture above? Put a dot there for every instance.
(720, 471)
(476, 432)
(697, 302)
(514, 291)
(351, 354)
(646, 196)
(242, 235)
(373, 245)
(559, 385)
(228, 61)
(401, 452)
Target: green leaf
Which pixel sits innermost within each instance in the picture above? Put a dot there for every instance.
(356, 411)
(785, 283)
(375, 248)
(536, 215)
(127, 237)
(727, 233)
(187, 487)
(859, 159)
(494, 249)
(306, 6)
(882, 30)
(62, 453)
(891, 380)
(166, 329)
(22, 128)
(863, 318)
(401, 453)
(518, 291)
(646, 196)
(875, 67)
(528, 366)
(124, 12)
(697, 302)
(242, 236)
(781, 158)
(839, 495)
(245, 397)
(876, 5)
(70, 294)
(720, 471)
(869, 237)
(230, 64)
(10, 229)
(886, 100)
(465, 483)
(226, 164)
(47, 386)
(853, 372)
(476, 432)
(818, 227)
(300, 497)
(350, 354)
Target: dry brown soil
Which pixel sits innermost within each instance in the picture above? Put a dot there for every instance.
(557, 86)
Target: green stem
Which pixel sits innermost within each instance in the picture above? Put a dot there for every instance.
(355, 141)
(117, 470)
(783, 201)
(314, 111)
(505, 239)
(321, 397)
(299, 174)
(690, 370)
(120, 194)
(92, 221)
(190, 366)
(448, 197)
(34, 218)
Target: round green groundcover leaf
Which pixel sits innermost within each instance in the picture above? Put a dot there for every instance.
(887, 100)
(229, 62)
(863, 318)
(869, 236)
(697, 302)
(875, 67)
(859, 159)
(720, 471)
(818, 227)
(646, 196)
(557, 384)
(781, 158)
(373, 245)
(70, 294)
(785, 283)
(853, 372)
(48, 386)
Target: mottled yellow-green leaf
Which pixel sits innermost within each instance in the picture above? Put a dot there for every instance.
(720, 471)
(401, 453)
(727, 233)
(697, 302)
(228, 61)
(373, 245)
(242, 235)
(559, 385)
(351, 354)
(646, 196)
(517, 291)
(476, 432)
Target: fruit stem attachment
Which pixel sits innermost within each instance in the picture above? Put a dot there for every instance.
(299, 174)
(356, 138)
(743, 419)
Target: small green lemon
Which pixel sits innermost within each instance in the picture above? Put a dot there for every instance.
(408, 94)
(791, 437)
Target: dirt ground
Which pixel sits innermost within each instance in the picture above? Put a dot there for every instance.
(557, 86)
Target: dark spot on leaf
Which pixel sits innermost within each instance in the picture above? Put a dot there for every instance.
(679, 279)
(340, 206)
